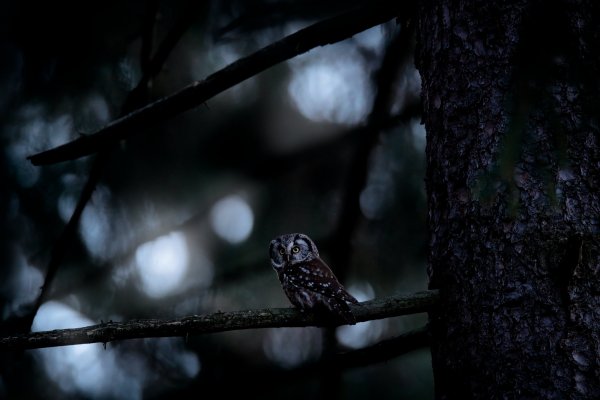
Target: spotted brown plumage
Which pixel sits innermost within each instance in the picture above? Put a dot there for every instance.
(307, 281)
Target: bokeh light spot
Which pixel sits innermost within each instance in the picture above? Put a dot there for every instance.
(162, 264)
(23, 287)
(289, 347)
(372, 39)
(334, 89)
(363, 333)
(33, 132)
(232, 219)
(84, 368)
(95, 224)
(190, 364)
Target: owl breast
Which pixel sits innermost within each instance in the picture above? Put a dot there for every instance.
(301, 298)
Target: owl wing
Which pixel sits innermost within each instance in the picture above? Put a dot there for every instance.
(316, 276)
(314, 285)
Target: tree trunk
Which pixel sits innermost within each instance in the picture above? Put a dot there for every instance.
(510, 93)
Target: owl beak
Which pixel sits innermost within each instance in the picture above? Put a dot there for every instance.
(287, 258)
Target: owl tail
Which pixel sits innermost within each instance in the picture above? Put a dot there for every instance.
(341, 309)
(348, 297)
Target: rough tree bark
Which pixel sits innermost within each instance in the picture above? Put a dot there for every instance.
(513, 183)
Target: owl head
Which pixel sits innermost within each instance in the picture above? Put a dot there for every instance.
(291, 248)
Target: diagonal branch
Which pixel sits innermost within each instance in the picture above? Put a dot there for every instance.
(134, 99)
(218, 322)
(322, 33)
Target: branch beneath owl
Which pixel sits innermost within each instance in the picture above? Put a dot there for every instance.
(217, 322)
(322, 33)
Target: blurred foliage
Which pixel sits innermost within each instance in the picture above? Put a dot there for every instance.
(67, 68)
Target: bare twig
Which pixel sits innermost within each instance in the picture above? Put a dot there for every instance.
(69, 232)
(217, 322)
(322, 33)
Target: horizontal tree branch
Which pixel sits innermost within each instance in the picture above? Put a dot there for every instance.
(217, 322)
(322, 33)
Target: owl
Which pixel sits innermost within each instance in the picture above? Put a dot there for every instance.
(306, 280)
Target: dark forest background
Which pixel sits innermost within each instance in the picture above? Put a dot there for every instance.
(328, 143)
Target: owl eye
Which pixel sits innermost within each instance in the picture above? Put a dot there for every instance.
(295, 249)
(281, 251)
